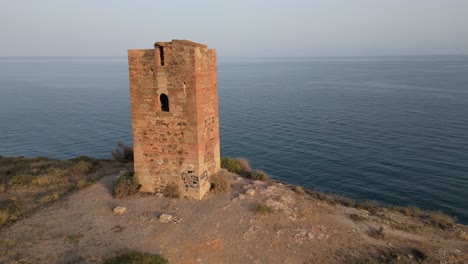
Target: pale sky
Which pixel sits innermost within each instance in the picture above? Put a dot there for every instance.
(251, 28)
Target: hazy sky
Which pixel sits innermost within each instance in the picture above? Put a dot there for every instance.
(235, 28)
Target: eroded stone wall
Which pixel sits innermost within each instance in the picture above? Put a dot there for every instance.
(180, 145)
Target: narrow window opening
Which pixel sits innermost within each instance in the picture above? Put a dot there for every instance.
(164, 102)
(161, 55)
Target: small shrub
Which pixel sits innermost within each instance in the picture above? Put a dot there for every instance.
(377, 232)
(263, 209)
(298, 189)
(371, 206)
(2, 188)
(259, 175)
(356, 217)
(244, 165)
(81, 168)
(123, 153)
(82, 184)
(8, 211)
(21, 180)
(4, 216)
(463, 235)
(412, 211)
(82, 158)
(441, 220)
(172, 190)
(47, 180)
(74, 239)
(221, 182)
(126, 185)
(232, 165)
(137, 258)
(50, 198)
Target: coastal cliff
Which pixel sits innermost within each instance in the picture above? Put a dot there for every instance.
(254, 222)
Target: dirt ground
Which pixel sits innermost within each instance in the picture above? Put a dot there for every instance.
(226, 228)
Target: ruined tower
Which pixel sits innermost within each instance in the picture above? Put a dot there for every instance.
(174, 101)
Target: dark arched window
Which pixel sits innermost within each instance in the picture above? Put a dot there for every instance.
(164, 102)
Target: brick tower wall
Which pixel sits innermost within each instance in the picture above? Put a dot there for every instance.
(181, 145)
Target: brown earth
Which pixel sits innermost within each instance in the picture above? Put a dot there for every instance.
(227, 228)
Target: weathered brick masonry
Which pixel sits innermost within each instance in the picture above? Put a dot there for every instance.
(174, 101)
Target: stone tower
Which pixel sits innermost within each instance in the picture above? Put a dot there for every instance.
(174, 101)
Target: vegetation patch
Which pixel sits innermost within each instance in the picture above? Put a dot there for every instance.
(259, 175)
(50, 198)
(377, 232)
(441, 220)
(137, 258)
(232, 165)
(221, 182)
(74, 239)
(357, 218)
(172, 190)
(298, 189)
(263, 209)
(126, 185)
(8, 211)
(242, 167)
(123, 153)
(34, 182)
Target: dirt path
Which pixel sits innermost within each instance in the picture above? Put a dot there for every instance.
(225, 228)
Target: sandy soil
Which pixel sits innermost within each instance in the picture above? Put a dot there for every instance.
(225, 228)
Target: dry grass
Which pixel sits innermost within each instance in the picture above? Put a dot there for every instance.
(126, 185)
(263, 209)
(298, 189)
(357, 218)
(221, 182)
(136, 258)
(172, 190)
(123, 153)
(39, 181)
(377, 232)
(412, 211)
(8, 211)
(82, 183)
(73, 239)
(259, 175)
(441, 220)
(50, 198)
(244, 164)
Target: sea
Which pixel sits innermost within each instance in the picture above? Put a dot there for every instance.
(389, 129)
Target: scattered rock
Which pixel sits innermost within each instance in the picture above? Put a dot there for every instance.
(239, 179)
(165, 218)
(250, 192)
(120, 210)
(159, 194)
(241, 197)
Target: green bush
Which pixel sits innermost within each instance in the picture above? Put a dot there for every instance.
(126, 185)
(232, 165)
(136, 258)
(259, 175)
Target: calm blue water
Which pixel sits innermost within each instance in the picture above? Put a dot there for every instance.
(392, 129)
